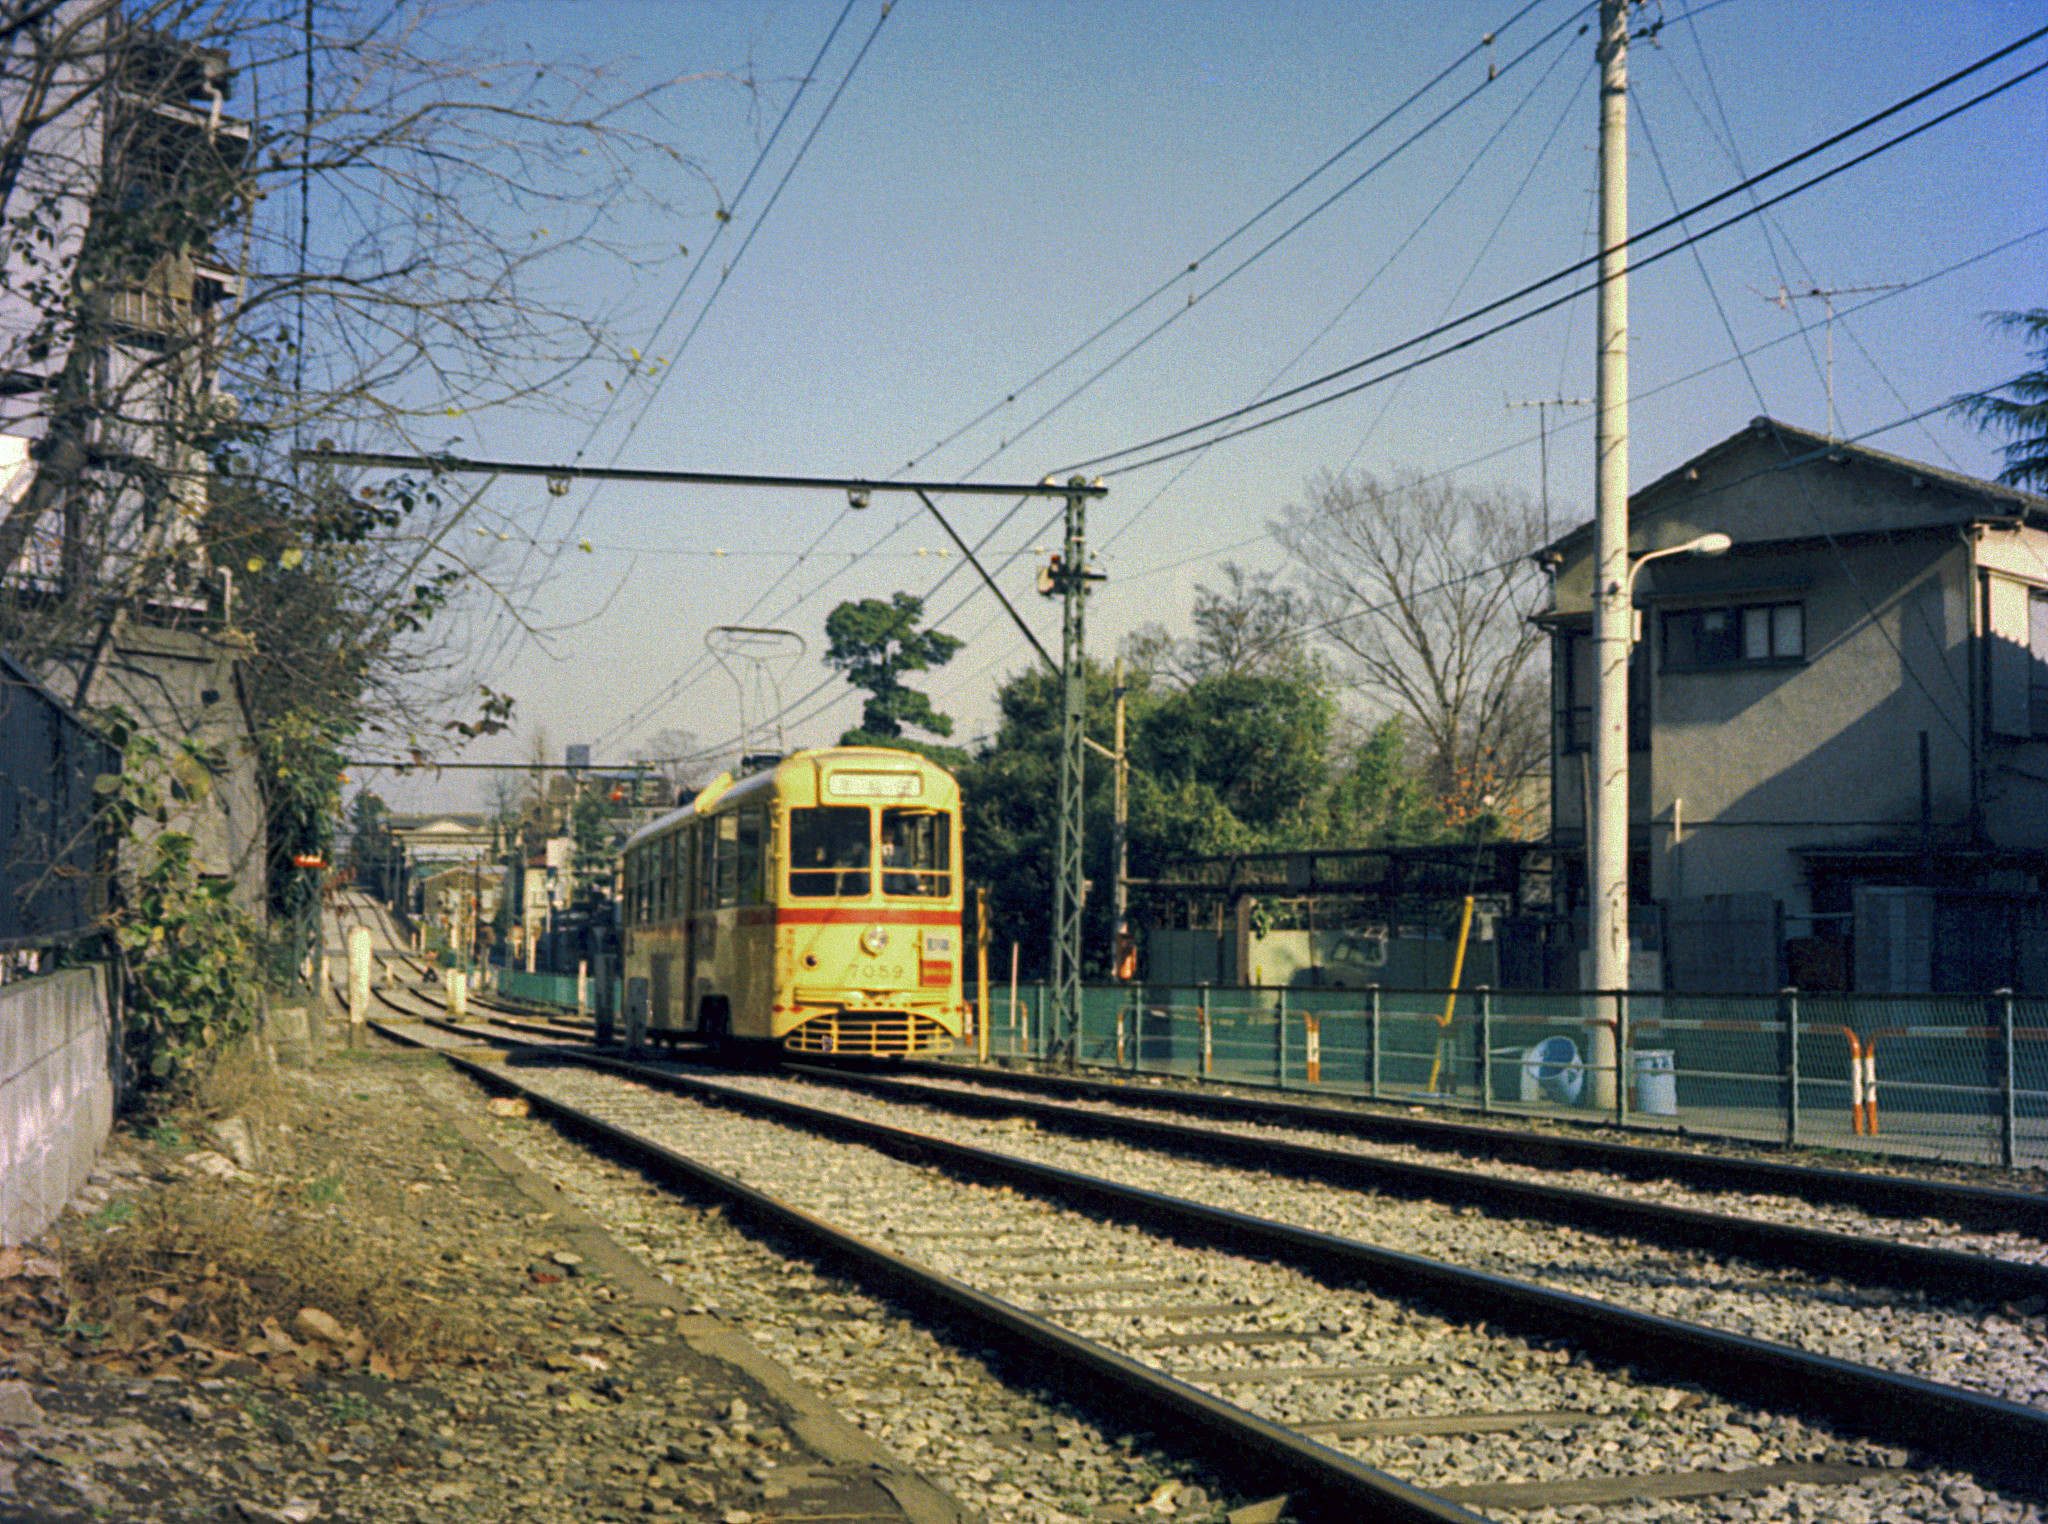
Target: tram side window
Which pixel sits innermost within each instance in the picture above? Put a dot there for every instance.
(828, 851)
(706, 838)
(727, 864)
(636, 875)
(753, 840)
(917, 852)
(664, 875)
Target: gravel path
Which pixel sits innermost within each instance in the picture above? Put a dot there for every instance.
(1136, 1292)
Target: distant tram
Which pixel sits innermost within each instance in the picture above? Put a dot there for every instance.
(814, 904)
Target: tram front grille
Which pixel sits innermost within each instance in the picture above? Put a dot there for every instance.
(868, 1033)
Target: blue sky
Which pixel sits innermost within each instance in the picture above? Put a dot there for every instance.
(997, 182)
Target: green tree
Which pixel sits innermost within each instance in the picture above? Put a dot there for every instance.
(2021, 413)
(874, 644)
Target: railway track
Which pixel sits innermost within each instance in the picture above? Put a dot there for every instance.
(1874, 1191)
(2002, 1267)
(1361, 1378)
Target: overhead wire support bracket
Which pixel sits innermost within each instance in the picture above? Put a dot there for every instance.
(456, 465)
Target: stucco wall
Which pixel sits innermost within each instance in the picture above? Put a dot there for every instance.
(58, 1046)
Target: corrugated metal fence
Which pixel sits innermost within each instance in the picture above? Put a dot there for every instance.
(53, 863)
(1954, 1077)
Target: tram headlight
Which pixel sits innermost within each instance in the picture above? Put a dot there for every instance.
(873, 940)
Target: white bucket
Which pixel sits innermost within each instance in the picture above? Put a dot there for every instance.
(1656, 1083)
(1551, 1071)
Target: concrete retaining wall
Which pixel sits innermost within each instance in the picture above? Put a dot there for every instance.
(58, 1047)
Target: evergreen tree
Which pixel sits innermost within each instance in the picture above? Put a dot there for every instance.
(874, 644)
(2022, 414)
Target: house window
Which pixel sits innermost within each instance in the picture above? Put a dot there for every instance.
(1757, 634)
(1573, 694)
(2016, 625)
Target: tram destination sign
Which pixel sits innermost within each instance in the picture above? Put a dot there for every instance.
(874, 785)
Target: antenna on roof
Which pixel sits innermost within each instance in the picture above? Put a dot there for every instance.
(1784, 300)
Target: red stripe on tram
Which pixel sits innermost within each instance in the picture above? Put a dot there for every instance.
(862, 915)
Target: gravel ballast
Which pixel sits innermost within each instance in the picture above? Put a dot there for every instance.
(1612, 1423)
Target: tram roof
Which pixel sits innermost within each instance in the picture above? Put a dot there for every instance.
(764, 780)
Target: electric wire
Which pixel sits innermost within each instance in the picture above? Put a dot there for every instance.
(1739, 357)
(1906, 665)
(1226, 240)
(757, 223)
(1777, 169)
(1195, 298)
(1632, 242)
(1251, 259)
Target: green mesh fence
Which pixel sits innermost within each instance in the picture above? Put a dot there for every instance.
(1945, 1076)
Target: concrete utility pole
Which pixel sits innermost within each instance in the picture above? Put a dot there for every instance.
(1607, 854)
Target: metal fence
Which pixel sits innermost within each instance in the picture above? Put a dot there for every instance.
(53, 861)
(1945, 1076)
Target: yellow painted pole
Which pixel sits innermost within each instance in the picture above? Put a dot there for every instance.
(981, 973)
(1451, 997)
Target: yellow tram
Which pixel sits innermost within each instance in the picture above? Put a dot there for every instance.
(814, 904)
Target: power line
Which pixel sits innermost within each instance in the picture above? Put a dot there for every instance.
(1632, 242)
(1266, 248)
(1227, 239)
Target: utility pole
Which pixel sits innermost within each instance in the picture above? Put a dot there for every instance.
(1542, 406)
(1121, 952)
(1607, 855)
(1069, 578)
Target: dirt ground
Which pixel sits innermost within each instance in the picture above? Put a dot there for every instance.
(327, 1296)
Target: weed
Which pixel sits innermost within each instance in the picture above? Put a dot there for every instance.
(218, 1261)
(166, 1135)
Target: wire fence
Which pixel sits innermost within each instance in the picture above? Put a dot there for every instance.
(1943, 1076)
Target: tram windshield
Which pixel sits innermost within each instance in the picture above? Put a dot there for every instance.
(828, 851)
(917, 852)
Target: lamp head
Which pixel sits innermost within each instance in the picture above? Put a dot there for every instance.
(1714, 544)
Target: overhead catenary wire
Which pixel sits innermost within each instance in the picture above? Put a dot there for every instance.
(1230, 238)
(1264, 249)
(1102, 462)
(1274, 204)
(1893, 142)
(760, 161)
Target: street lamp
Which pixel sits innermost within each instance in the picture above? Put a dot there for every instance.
(1614, 636)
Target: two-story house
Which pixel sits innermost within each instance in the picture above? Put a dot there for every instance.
(1839, 729)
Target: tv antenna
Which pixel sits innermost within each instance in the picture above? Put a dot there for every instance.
(1542, 406)
(757, 660)
(1784, 300)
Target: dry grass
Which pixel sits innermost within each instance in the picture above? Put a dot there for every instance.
(225, 1270)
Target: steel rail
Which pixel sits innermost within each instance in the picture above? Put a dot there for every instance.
(1949, 1271)
(1323, 1483)
(1887, 1195)
(1984, 1434)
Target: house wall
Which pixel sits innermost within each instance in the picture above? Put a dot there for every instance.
(1751, 766)
(1770, 758)
(185, 685)
(2014, 775)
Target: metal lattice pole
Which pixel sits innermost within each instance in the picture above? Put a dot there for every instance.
(1068, 884)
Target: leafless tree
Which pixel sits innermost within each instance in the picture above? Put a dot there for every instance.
(679, 758)
(1426, 589)
(232, 227)
(1257, 623)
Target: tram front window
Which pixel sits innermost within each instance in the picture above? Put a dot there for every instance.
(917, 852)
(828, 852)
